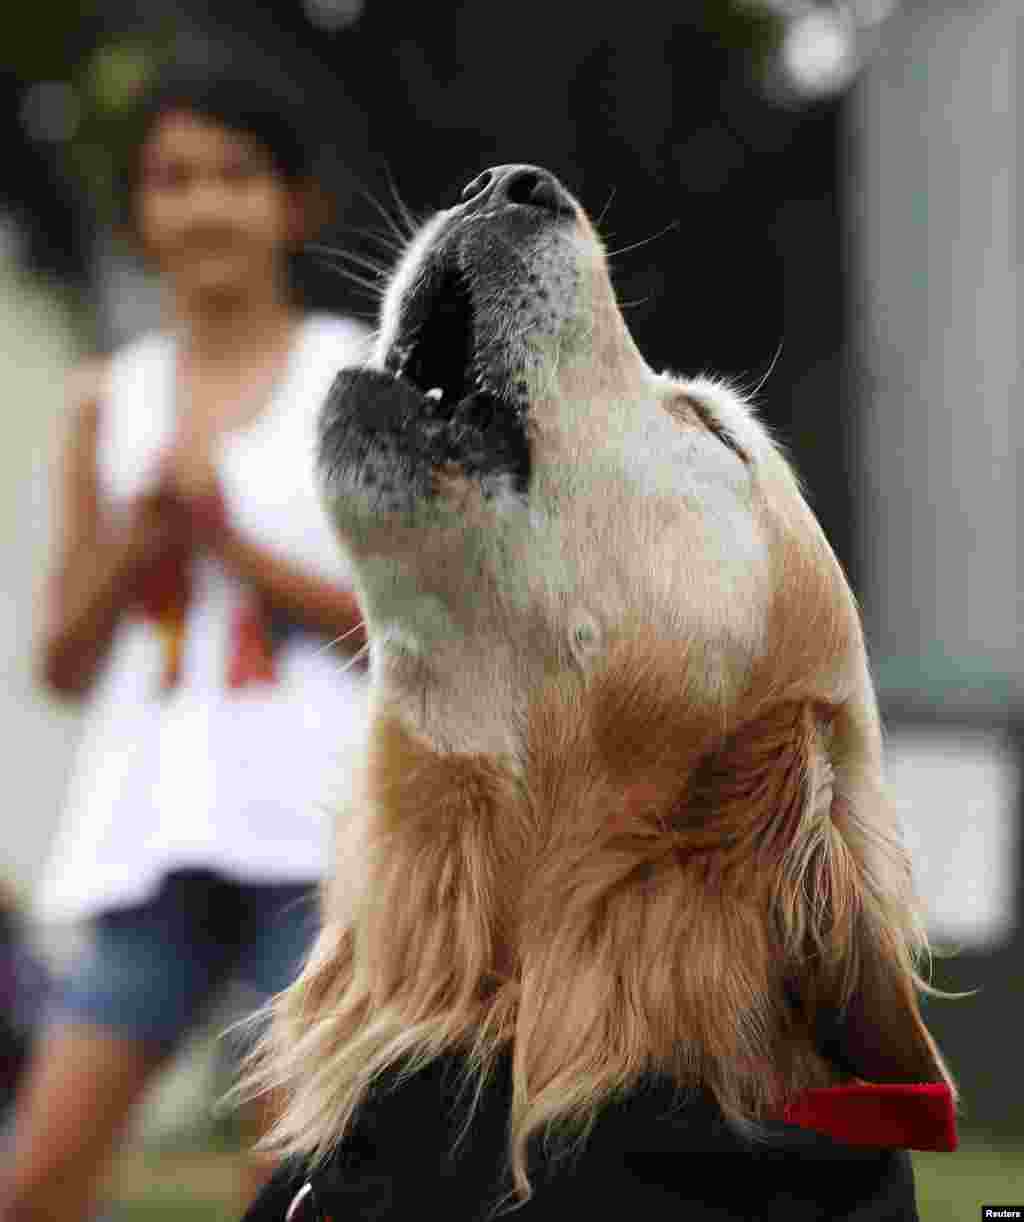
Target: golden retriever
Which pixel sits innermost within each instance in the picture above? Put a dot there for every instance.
(622, 807)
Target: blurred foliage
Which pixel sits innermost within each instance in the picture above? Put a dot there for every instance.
(75, 43)
(743, 26)
(109, 84)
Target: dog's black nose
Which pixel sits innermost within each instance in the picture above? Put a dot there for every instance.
(518, 184)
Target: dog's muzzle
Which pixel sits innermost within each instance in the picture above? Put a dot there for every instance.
(449, 394)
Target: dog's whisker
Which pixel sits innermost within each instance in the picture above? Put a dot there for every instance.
(403, 209)
(770, 371)
(386, 240)
(356, 658)
(339, 252)
(375, 289)
(604, 210)
(644, 241)
(389, 220)
(338, 639)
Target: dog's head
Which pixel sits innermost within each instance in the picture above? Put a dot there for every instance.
(623, 804)
(522, 495)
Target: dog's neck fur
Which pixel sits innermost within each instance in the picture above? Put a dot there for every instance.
(602, 929)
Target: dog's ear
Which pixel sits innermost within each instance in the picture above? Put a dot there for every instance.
(847, 913)
(878, 1034)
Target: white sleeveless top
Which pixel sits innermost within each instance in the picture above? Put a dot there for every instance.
(236, 780)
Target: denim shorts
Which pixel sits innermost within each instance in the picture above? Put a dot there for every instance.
(149, 970)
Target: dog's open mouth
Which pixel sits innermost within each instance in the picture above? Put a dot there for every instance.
(436, 347)
(434, 408)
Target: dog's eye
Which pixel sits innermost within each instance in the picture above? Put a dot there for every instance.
(717, 429)
(703, 413)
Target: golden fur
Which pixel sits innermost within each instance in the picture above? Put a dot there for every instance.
(646, 796)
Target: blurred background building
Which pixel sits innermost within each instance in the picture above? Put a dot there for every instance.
(821, 200)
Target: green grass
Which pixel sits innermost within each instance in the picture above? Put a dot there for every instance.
(953, 1187)
(173, 1211)
(154, 1186)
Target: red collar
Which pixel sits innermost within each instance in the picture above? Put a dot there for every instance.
(908, 1116)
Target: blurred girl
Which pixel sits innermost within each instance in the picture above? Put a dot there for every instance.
(195, 593)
